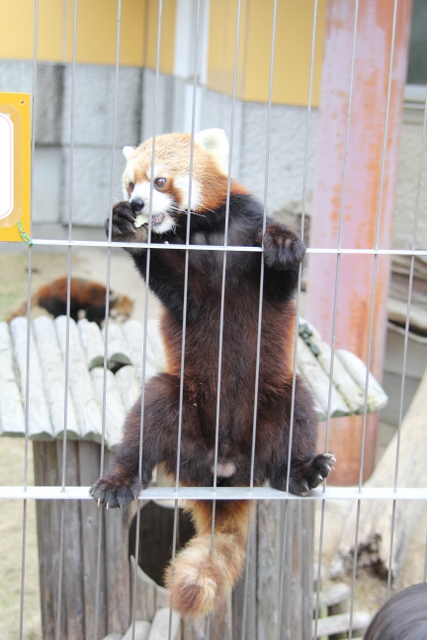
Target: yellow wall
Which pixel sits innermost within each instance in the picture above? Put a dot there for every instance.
(96, 40)
(96, 33)
(291, 56)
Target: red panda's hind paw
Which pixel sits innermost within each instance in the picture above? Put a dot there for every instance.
(308, 475)
(282, 247)
(111, 494)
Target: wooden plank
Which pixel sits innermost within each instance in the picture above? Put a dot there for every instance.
(53, 368)
(12, 418)
(117, 568)
(92, 529)
(129, 383)
(40, 426)
(72, 603)
(48, 524)
(377, 398)
(239, 596)
(93, 343)
(81, 386)
(284, 567)
(340, 623)
(114, 410)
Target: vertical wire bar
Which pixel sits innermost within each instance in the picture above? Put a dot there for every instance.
(147, 280)
(185, 298)
(405, 345)
(28, 356)
(260, 303)
(67, 333)
(224, 261)
(223, 280)
(335, 302)
(106, 326)
(298, 299)
(372, 302)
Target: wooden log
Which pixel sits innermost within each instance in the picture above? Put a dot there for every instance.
(53, 369)
(81, 386)
(341, 623)
(114, 410)
(117, 348)
(12, 418)
(155, 355)
(377, 398)
(93, 343)
(138, 630)
(333, 595)
(129, 383)
(165, 620)
(318, 380)
(375, 520)
(39, 425)
(344, 383)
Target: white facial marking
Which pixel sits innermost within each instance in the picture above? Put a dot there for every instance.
(161, 220)
(183, 184)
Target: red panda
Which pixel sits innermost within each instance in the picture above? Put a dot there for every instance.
(161, 190)
(85, 295)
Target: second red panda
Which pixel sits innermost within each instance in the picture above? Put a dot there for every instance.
(159, 192)
(85, 296)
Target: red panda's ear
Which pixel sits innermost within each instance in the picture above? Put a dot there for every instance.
(127, 152)
(215, 142)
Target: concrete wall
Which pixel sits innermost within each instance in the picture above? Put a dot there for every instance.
(78, 160)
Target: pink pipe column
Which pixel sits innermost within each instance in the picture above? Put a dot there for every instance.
(362, 200)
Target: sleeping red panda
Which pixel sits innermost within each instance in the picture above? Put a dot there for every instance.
(198, 577)
(85, 295)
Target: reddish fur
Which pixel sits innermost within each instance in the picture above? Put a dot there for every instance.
(85, 295)
(198, 577)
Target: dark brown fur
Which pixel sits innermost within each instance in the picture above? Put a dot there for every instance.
(197, 578)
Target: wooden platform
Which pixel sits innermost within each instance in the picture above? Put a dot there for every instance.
(82, 344)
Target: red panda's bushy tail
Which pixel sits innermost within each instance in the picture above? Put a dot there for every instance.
(199, 575)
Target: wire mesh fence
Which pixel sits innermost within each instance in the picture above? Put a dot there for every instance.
(313, 99)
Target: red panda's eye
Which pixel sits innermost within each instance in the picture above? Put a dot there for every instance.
(130, 187)
(160, 182)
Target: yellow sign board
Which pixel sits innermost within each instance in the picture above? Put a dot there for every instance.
(15, 166)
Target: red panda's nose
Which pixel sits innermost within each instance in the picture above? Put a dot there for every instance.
(137, 204)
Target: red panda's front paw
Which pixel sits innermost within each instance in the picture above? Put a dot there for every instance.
(123, 227)
(112, 492)
(282, 247)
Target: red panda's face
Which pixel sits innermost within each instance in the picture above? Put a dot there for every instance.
(164, 189)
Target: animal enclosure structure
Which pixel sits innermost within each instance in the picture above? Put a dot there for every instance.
(315, 99)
